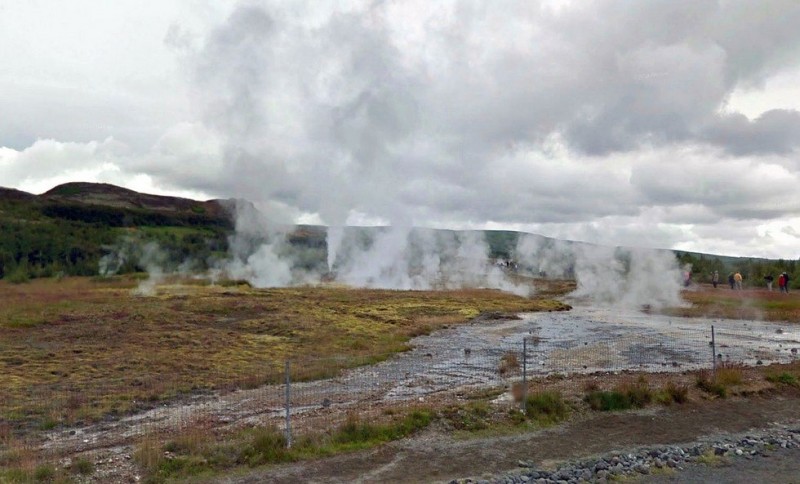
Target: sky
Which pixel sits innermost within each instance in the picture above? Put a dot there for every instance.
(667, 124)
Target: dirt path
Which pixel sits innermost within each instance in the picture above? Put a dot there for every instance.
(435, 458)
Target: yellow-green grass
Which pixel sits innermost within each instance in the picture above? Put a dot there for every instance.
(202, 454)
(757, 304)
(78, 349)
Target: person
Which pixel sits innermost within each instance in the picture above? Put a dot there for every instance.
(731, 281)
(715, 279)
(738, 279)
(769, 280)
(687, 278)
(785, 286)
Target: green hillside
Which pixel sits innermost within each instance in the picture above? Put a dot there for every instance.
(73, 227)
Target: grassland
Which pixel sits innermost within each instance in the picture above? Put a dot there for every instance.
(80, 348)
(755, 304)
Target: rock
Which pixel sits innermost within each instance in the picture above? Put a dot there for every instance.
(739, 452)
(658, 463)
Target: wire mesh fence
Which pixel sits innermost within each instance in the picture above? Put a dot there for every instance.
(313, 395)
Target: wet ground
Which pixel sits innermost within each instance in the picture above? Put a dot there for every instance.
(449, 363)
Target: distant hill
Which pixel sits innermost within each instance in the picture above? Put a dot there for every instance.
(68, 229)
(71, 228)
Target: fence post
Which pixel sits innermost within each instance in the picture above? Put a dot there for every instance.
(713, 355)
(288, 407)
(524, 375)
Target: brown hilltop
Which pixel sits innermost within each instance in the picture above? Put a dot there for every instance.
(108, 195)
(14, 194)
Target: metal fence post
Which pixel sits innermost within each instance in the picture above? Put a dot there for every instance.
(288, 407)
(713, 355)
(524, 375)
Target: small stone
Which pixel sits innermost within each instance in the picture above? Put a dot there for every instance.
(739, 452)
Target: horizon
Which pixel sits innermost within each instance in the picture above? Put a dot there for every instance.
(664, 125)
(436, 228)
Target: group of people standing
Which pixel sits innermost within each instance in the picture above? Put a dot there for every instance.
(735, 281)
(783, 282)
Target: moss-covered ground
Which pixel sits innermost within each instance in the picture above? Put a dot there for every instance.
(78, 349)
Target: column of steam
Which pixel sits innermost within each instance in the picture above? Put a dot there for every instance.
(334, 242)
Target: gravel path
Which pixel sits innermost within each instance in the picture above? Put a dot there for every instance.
(767, 455)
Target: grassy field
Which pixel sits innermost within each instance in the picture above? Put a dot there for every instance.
(98, 347)
(755, 304)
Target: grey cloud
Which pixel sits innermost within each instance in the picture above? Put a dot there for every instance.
(421, 112)
(775, 131)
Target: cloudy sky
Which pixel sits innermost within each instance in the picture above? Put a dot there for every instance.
(672, 124)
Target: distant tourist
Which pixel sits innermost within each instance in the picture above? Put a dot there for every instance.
(731, 281)
(783, 283)
(687, 278)
(769, 280)
(738, 279)
(715, 279)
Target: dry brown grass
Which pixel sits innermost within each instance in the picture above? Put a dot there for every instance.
(79, 349)
(756, 304)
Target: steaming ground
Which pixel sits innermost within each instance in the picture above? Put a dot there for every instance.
(405, 258)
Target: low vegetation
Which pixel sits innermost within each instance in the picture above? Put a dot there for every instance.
(195, 455)
(79, 348)
(638, 394)
(752, 304)
(783, 378)
(546, 407)
(721, 382)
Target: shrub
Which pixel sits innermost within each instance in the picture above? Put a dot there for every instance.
(673, 393)
(607, 400)
(267, 445)
(623, 397)
(715, 388)
(782, 378)
(44, 473)
(83, 466)
(547, 406)
(729, 376)
(638, 394)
